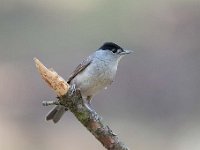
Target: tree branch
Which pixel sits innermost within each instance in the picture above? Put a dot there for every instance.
(71, 99)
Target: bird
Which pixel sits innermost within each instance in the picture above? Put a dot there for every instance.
(92, 75)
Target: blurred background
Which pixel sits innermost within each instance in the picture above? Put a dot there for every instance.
(153, 103)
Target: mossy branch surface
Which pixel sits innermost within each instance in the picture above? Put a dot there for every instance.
(72, 100)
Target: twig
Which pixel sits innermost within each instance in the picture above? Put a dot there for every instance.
(73, 101)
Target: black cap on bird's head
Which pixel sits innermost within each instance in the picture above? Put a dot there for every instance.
(110, 46)
(114, 48)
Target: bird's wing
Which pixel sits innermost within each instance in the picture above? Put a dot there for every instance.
(79, 68)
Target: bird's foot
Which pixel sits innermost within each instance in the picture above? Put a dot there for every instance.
(88, 105)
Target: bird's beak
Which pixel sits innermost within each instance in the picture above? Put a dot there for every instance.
(127, 52)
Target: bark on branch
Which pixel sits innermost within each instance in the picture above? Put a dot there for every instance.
(73, 101)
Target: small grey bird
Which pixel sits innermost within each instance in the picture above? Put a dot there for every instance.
(94, 74)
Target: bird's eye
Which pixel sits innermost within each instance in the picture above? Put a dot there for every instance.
(114, 50)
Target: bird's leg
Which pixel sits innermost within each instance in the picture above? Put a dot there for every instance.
(72, 89)
(89, 98)
(87, 102)
(89, 106)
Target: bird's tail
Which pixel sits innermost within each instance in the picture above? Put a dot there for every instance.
(56, 113)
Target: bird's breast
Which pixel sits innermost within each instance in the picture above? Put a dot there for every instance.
(97, 76)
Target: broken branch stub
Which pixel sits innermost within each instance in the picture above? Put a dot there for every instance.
(56, 82)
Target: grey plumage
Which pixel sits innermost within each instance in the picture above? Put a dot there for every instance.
(94, 74)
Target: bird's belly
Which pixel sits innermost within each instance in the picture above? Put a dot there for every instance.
(90, 85)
